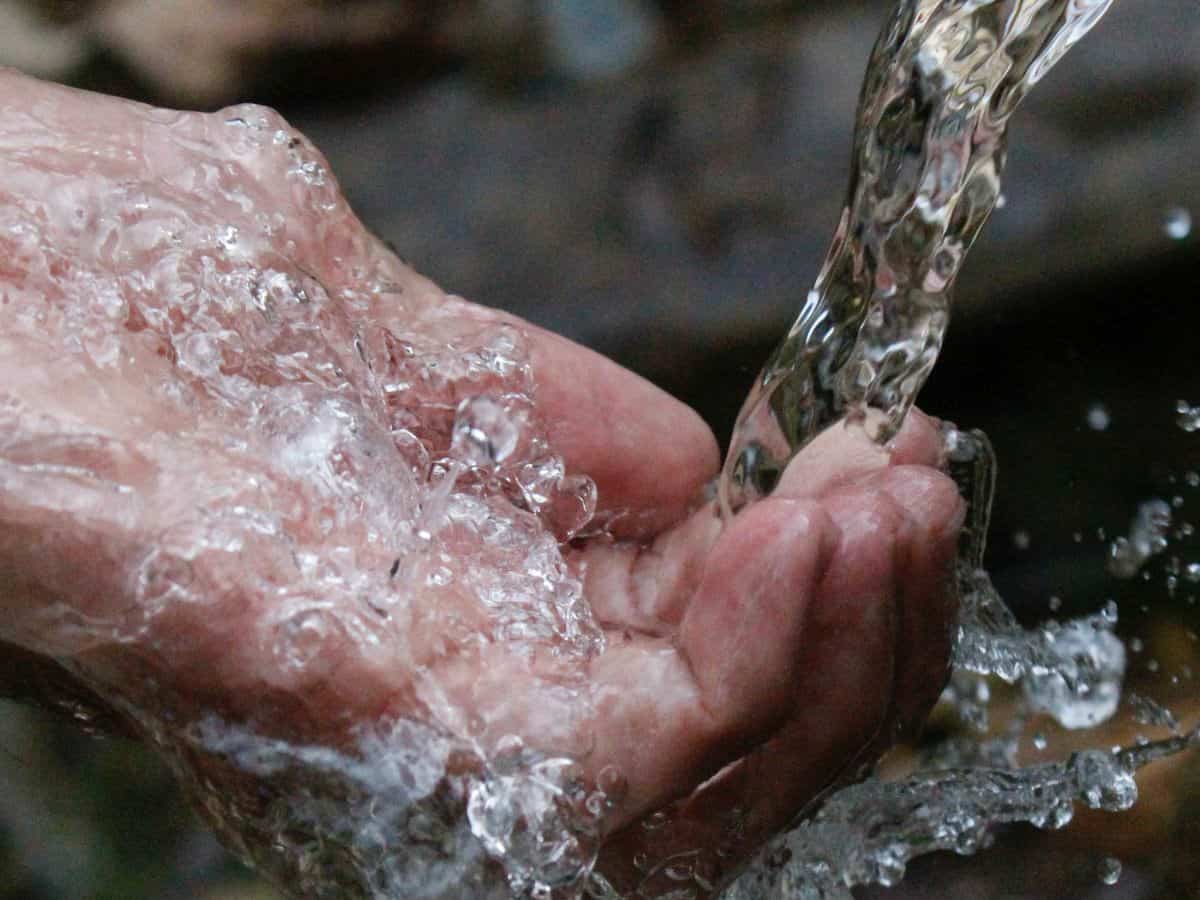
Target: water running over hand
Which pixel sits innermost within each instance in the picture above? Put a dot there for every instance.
(929, 149)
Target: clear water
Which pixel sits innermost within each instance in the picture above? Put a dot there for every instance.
(943, 82)
(399, 449)
(929, 150)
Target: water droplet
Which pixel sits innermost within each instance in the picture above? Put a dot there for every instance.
(655, 821)
(1150, 712)
(1187, 416)
(484, 432)
(1147, 538)
(1021, 540)
(300, 638)
(1039, 741)
(1098, 418)
(1109, 870)
(1055, 603)
(1177, 223)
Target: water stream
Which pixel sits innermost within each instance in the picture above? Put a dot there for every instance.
(400, 503)
(942, 84)
(929, 150)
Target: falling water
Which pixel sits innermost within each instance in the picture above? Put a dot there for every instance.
(929, 149)
(449, 807)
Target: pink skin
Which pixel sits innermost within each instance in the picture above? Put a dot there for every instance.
(781, 651)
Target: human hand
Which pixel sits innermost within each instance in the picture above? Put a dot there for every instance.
(268, 491)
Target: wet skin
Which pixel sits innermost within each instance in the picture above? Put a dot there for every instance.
(778, 652)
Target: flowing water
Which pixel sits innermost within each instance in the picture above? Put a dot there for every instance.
(929, 151)
(382, 471)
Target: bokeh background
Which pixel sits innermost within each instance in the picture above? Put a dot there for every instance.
(658, 179)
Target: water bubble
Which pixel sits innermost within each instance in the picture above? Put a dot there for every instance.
(300, 637)
(485, 432)
(1149, 712)
(612, 782)
(1187, 416)
(1082, 686)
(1109, 870)
(1147, 538)
(439, 577)
(1098, 418)
(1177, 223)
(679, 871)
(655, 821)
(227, 238)
(1103, 781)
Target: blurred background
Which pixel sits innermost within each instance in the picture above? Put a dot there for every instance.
(658, 179)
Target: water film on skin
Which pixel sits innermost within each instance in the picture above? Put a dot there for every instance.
(378, 497)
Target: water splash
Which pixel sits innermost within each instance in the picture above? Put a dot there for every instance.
(1147, 538)
(868, 833)
(943, 82)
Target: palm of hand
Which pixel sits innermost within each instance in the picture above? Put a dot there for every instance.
(231, 487)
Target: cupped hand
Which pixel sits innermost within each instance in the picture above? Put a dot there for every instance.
(255, 470)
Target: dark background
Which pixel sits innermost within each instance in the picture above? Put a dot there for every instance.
(659, 180)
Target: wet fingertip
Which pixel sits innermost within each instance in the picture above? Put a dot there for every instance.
(926, 495)
(919, 441)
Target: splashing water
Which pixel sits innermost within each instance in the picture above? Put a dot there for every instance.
(867, 834)
(944, 79)
(430, 809)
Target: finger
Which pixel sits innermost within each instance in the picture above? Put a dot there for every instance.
(843, 454)
(649, 454)
(863, 676)
(836, 703)
(927, 598)
(647, 588)
(919, 442)
(670, 714)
